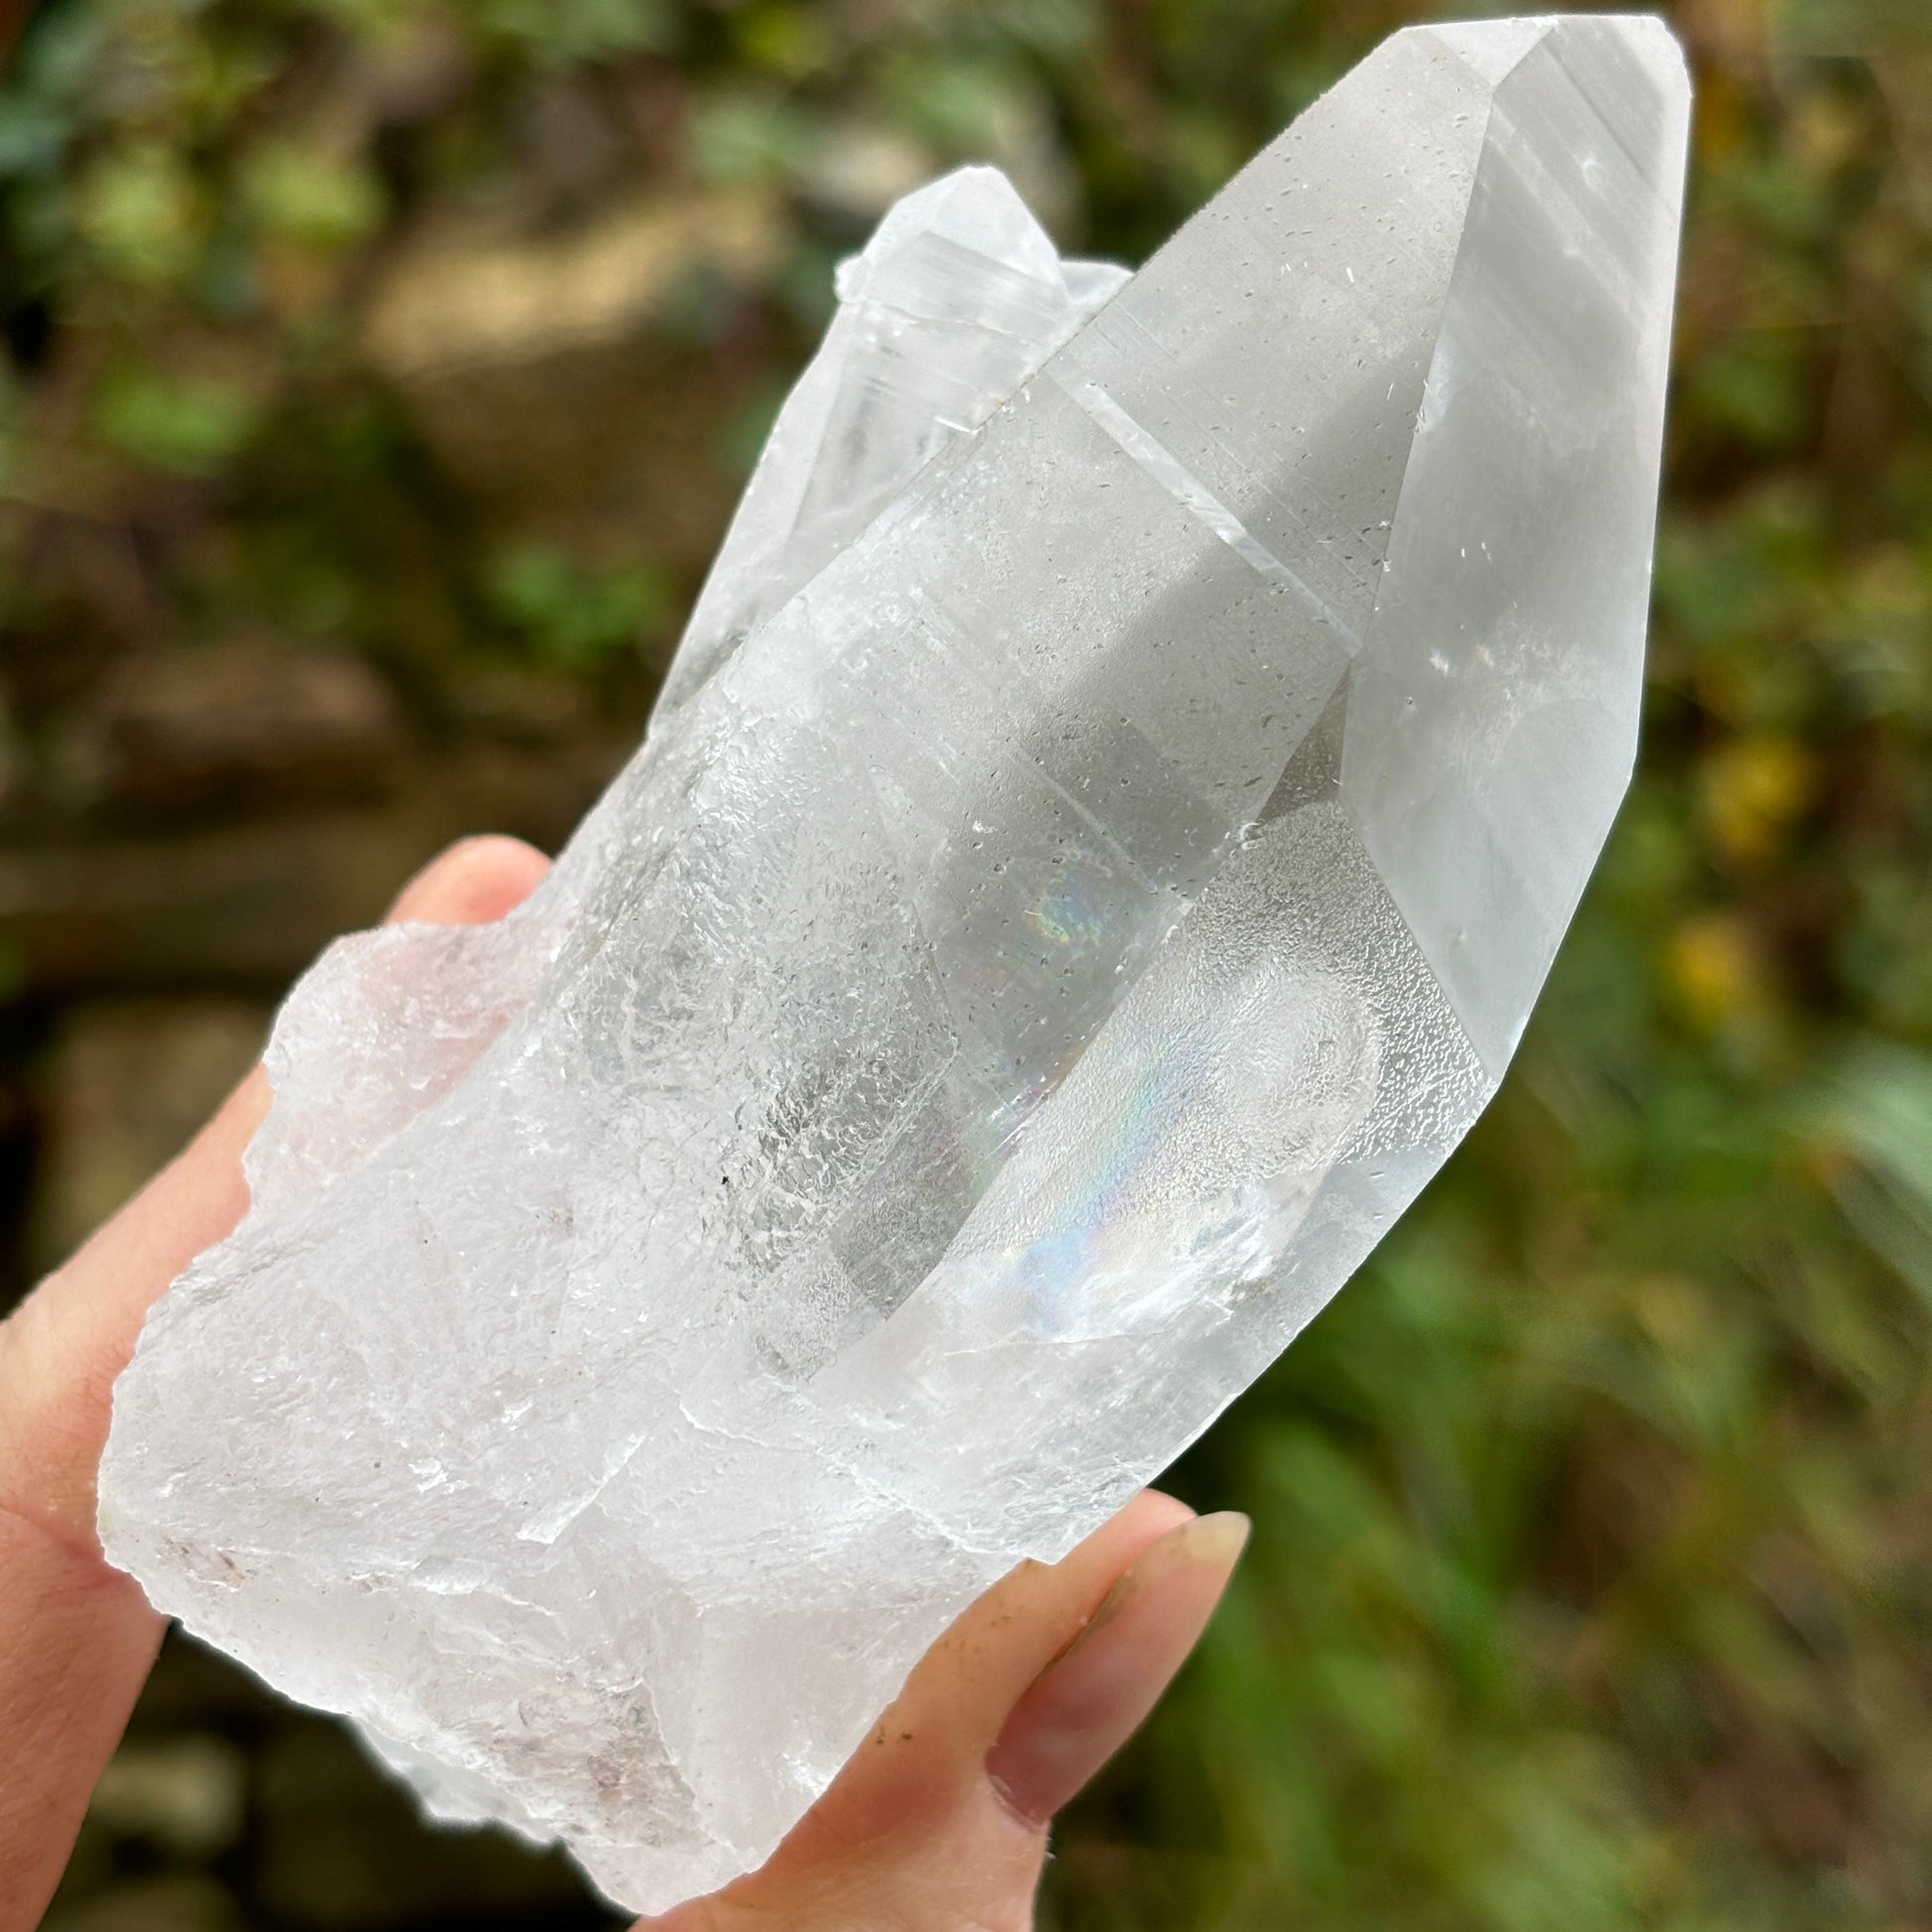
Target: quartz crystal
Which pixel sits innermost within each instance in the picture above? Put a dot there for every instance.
(1124, 784)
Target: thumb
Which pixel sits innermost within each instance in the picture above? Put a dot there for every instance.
(940, 1818)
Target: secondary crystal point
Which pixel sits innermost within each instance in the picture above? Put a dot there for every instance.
(1122, 788)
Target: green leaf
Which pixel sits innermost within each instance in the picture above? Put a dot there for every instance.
(187, 426)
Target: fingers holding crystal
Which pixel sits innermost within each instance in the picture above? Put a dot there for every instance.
(1086, 1704)
(940, 1816)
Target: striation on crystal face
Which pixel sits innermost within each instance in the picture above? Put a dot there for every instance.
(1123, 785)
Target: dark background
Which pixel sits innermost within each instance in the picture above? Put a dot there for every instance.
(378, 371)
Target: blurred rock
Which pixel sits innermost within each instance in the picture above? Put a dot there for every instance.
(455, 303)
(604, 450)
(183, 1794)
(862, 168)
(231, 728)
(571, 151)
(126, 1083)
(78, 598)
(175, 1904)
(561, 383)
(521, 704)
(417, 68)
(12, 760)
(249, 905)
(339, 1847)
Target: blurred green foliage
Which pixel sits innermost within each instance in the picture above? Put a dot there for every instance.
(1593, 1576)
(568, 615)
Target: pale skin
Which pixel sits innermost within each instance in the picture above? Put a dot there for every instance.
(938, 1824)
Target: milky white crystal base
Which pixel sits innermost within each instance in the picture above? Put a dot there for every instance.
(1121, 791)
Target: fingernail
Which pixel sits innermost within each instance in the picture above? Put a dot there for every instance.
(1091, 1698)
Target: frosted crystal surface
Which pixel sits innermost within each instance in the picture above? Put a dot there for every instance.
(1123, 785)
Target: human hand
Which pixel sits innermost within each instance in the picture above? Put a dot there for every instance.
(938, 1820)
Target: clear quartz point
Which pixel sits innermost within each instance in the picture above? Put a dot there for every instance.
(1123, 785)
